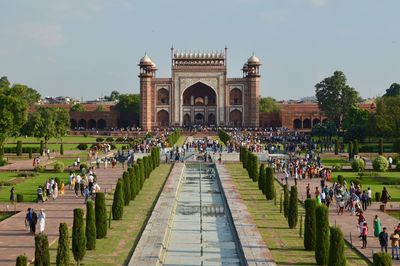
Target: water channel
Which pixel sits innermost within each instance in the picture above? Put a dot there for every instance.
(202, 231)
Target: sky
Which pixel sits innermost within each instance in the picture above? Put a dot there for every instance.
(87, 48)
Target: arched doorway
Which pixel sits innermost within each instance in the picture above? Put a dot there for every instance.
(199, 94)
(73, 124)
(92, 124)
(101, 124)
(316, 121)
(163, 118)
(306, 123)
(162, 96)
(235, 97)
(297, 124)
(186, 120)
(199, 119)
(82, 124)
(211, 119)
(235, 118)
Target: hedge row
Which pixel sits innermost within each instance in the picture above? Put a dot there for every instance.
(173, 137)
(223, 136)
(23, 149)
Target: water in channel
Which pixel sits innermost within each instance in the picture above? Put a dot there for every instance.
(201, 233)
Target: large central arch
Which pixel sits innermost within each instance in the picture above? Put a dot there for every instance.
(199, 94)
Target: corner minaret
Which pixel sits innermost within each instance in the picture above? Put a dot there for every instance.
(147, 73)
(251, 72)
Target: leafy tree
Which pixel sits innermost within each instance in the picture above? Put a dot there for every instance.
(335, 97)
(100, 215)
(293, 208)
(42, 254)
(129, 103)
(309, 224)
(127, 188)
(63, 246)
(90, 226)
(268, 105)
(78, 236)
(78, 107)
(100, 108)
(357, 124)
(336, 248)
(394, 90)
(118, 201)
(28, 95)
(114, 96)
(322, 235)
(22, 260)
(269, 183)
(386, 118)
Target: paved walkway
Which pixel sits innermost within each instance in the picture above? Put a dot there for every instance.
(14, 238)
(348, 223)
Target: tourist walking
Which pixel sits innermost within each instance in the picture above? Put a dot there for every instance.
(12, 195)
(385, 196)
(377, 226)
(40, 195)
(394, 238)
(28, 219)
(42, 220)
(62, 188)
(33, 221)
(384, 240)
(364, 235)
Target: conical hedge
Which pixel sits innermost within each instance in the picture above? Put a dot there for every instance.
(322, 235)
(285, 201)
(132, 181)
(63, 246)
(101, 215)
(293, 208)
(90, 226)
(118, 202)
(42, 254)
(309, 224)
(127, 188)
(269, 183)
(336, 250)
(78, 236)
(261, 178)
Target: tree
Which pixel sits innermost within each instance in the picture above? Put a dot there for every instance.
(62, 149)
(336, 248)
(78, 236)
(309, 224)
(90, 226)
(269, 183)
(355, 147)
(78, 107)
(335, 97)
(380, 146)
(48, 122)
(19, 148)
(261, 178)
(127, 188)
(132, 182)
(285, 201)
(138, 179)
(114, 96)
(146, 167)
(63, 246)
(322, 235)
(42, 254)
(293, 208)
(268, 105)
(382, 259)
(386, 118)
(22, 260)
(118, 201)
(245, 155)
(357, 124)
(394, 90)
(255, 168)
(141, 168)
(129, 103)
(336, 146)
(101, 215)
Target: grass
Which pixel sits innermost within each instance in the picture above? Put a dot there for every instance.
(29, 186)
(375, 180)
(4, 216)
(334, 161)
(124, 234)
(394, 214)
(65, 139)
(285, 244)
(180, 141)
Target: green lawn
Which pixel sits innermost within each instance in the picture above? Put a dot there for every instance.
(4, 216)
(65, 139)
(333, 161)
(375, 180)
(124, 234)
(285, 244)
(28, 187)
(180, 141)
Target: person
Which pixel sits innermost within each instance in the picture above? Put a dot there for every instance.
(385, 196)
(55, 190)
(377, 226)
(341, 206)
(364, 235)
(12, 195)
(62, 188)
(369, 192)
(40, 195)
(394, 238)
(42, 220)
(364, 200)
(33, 221)
(28, 219)
(383, 240)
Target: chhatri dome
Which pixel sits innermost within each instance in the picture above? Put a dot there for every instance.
(253, 60)
(146, 60)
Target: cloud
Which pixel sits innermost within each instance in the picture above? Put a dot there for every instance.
(318, 3)
(42, 34)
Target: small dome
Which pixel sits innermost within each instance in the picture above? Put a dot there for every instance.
(146, 60)
(253, 60)
(245, 67)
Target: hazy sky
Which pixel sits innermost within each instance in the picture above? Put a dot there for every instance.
(86, 48)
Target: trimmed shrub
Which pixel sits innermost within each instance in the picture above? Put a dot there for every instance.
(146, 167)
(22, 260)
(40, 168)
(249, 163)
(285, 201)
(42, 254)
(255, 168)
(78, 236)
(309, 224)
(381, 259)
(340, 179)
(59, 167)
(380, 146)
(336, 248)
(110, 139)
(336, 147)
(101, 215)
(3, 162)
(62, 148)
(127, 188)
(377, 196)
(293, 208)
(83, 166)
(322, 235)
(82, 146)
(261, 178)
(19, 148)
(142, 176)
(380, 164)
(118, 201)
(138, 179)
(20, 198)
(358, 165)
(99, 139)
(223, 136)
(63, 246)
(132, 182)
(173, 138)
(90, 226)
(245, 155)
(269, 183)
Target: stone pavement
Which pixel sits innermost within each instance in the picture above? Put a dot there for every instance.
(14, 238)
(348, 223)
